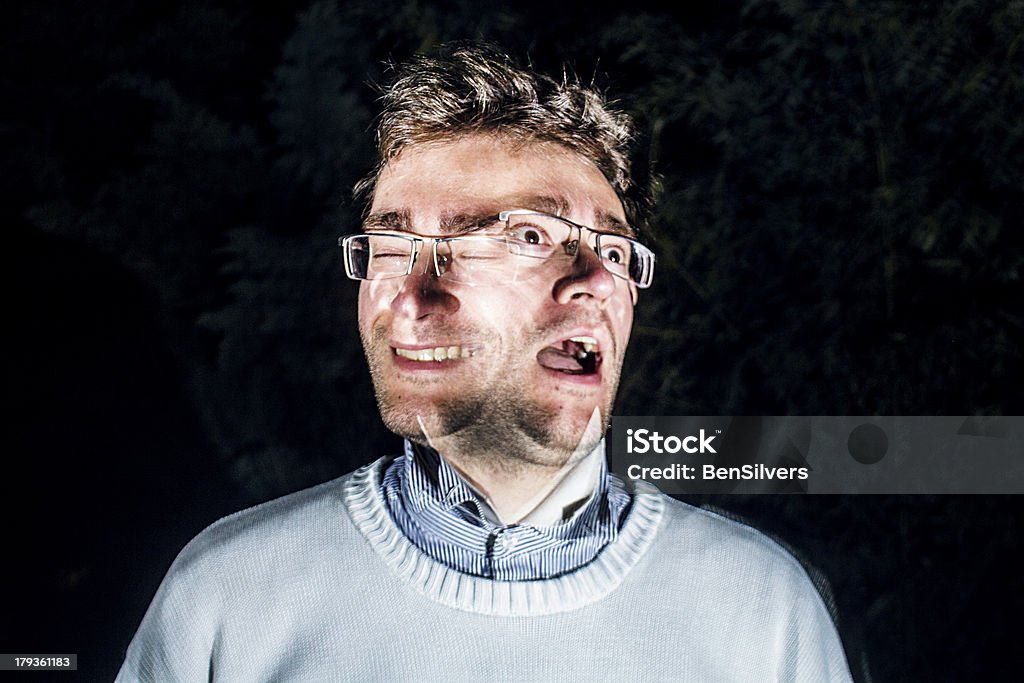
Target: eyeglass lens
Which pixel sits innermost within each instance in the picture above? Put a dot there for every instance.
(526, 243)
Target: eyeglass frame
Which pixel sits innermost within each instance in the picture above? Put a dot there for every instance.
(571, 247)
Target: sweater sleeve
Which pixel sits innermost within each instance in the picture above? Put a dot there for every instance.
(176, 639)
(810, 650)
(814, 651)
(763, 617)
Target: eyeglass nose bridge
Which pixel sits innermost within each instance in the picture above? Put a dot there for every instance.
(417, 248)
(572, 247)
(442, 257)
(593, 241)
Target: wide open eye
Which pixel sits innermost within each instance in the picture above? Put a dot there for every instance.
(615, 251)
(526, 234)
(531, 236)
(535, 235)
(615, 254)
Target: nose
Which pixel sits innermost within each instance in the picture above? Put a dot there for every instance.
(589, 278)
(422, 293)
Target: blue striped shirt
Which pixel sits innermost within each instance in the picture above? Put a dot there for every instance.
(441, 515)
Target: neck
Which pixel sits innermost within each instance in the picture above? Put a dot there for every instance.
(512, 489)
(513, 469)
(515, 483)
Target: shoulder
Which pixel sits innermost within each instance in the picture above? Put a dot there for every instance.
(288, 522)
(725, 540)
(258, 541)
(731, 559)
(262, 545)
(245, 569)
(754, 590)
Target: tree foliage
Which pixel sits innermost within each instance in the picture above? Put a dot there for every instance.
(840, 192)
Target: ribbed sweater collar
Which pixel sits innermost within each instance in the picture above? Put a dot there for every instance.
(574, 590)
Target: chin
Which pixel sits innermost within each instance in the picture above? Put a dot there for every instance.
(408, 422)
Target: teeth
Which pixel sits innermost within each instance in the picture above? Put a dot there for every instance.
(435, 355)
(589, 344)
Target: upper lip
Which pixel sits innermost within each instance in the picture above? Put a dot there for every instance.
(417, 346)
(603, 343)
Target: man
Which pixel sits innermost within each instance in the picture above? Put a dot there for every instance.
(499, 271)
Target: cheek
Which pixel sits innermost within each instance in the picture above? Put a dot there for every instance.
(375, 296)
(371, 303)
(621, 315)
(507, 308)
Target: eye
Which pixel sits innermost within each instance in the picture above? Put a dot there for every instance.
(478, 248)
(535, 234)
(528, 234)
(615, 254)
(386, 252)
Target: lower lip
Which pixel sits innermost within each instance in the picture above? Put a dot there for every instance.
(404, 363)
(593, 379)
(407, 364)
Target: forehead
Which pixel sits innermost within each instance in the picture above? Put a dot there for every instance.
(485, 174)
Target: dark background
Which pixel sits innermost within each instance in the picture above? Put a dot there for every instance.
(838, 233)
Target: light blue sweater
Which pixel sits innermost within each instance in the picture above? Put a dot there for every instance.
(321, 586)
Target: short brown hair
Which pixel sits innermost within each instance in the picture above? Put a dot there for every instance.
(476, 88)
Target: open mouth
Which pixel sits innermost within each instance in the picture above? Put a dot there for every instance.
(573, 356)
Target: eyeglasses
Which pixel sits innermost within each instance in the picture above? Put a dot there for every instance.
(512, 247)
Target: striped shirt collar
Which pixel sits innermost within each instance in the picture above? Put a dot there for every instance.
(443, 516)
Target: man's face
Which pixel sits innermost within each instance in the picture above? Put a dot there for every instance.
(505, 379)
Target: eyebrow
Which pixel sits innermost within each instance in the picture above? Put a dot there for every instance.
(388, 220)
(556, 206)
(463, 223)
(605, 221)
(466, 222)
(609, 222)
